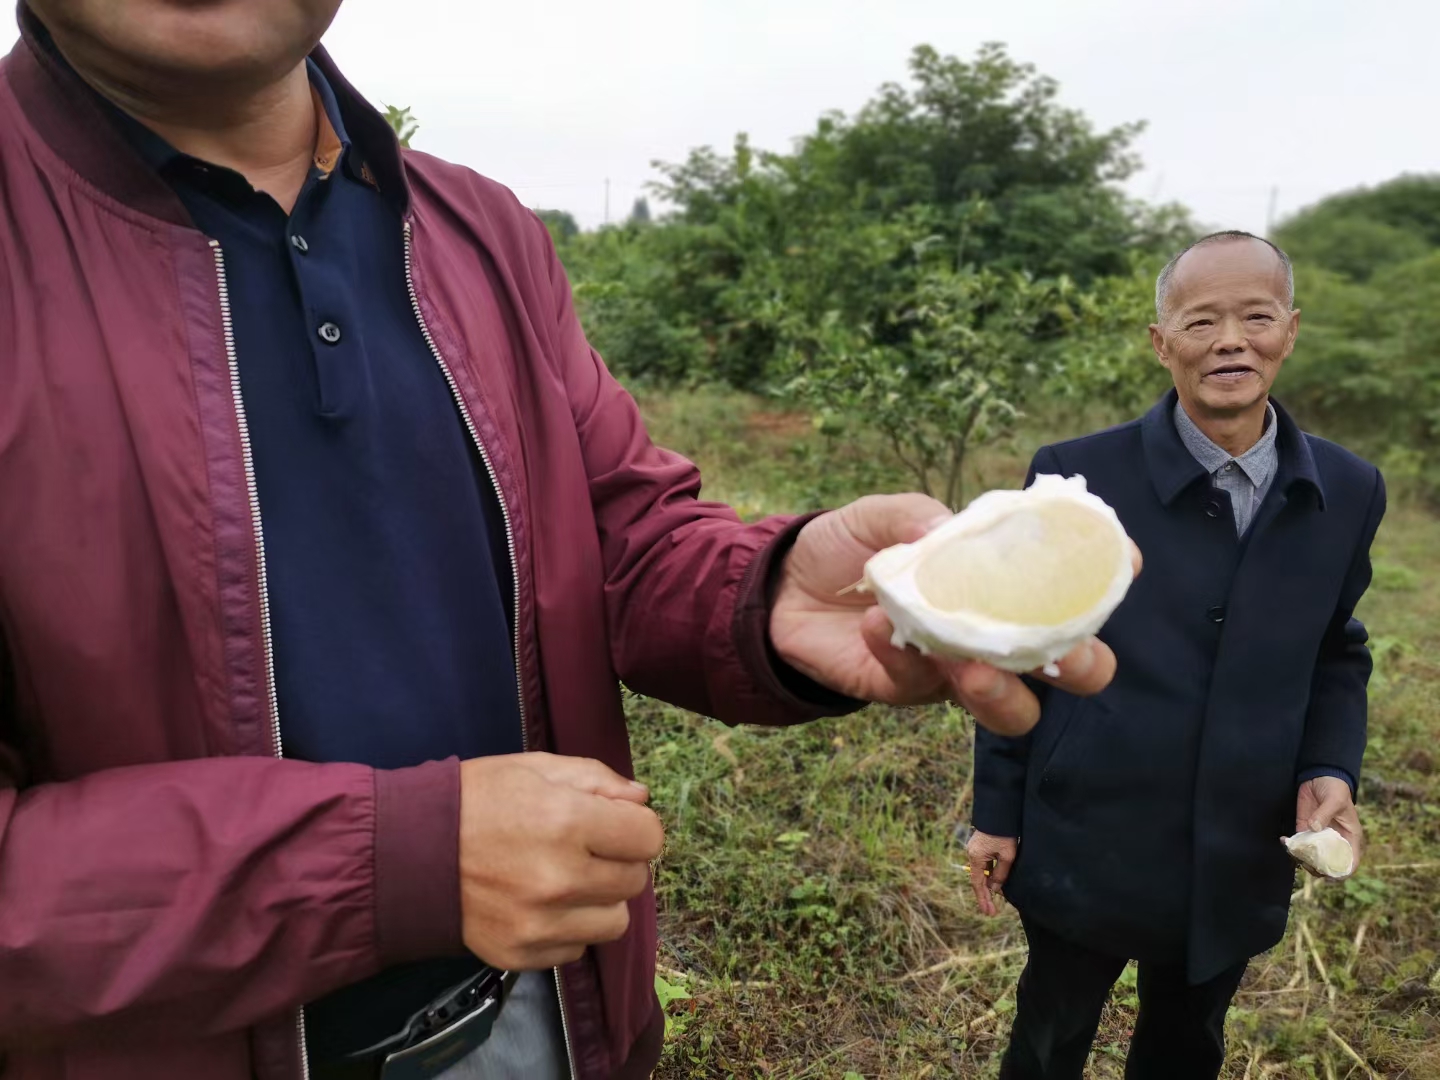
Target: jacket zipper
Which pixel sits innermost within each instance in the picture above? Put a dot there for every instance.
(509, 543)
(252, 490)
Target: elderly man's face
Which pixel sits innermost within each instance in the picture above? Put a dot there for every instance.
(1227, 327)
(186, 46)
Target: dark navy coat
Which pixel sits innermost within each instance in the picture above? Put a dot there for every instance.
(1150, 816)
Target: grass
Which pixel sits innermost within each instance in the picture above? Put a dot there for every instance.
(816, 921)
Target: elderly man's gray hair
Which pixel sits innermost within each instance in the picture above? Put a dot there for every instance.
(1162, 283)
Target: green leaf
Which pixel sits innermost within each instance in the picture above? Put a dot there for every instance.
(668, 991)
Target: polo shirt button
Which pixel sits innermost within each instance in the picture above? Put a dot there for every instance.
(299, 243)
(1216, 614)
(329, 333)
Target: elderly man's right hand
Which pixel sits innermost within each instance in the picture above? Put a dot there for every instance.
(551, 848)
(990, 860)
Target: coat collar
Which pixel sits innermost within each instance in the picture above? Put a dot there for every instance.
(1173, 468)
(66, 114)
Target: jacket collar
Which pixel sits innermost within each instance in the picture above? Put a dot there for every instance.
(65, 112)
(1173, 468)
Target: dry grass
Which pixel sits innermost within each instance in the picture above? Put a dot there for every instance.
(813, 905)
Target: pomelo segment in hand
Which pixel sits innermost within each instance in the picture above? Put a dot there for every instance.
(1325, 852)
(1018, 579)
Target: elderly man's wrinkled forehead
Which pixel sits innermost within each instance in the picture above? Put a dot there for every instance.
(1229, 271)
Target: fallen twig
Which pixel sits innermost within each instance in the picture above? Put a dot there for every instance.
(1408, 866)
(957, 961)
(675, 975)
(1315, 956)
(982, 1020)
(721, 745)
(1355, 949)
(1301, 976)
(1250, 1065)
(1350, 1051)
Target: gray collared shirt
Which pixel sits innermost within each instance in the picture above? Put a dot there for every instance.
(1246, 478)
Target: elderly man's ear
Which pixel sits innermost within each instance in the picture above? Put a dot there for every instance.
(1157, 342)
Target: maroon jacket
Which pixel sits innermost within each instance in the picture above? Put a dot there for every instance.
(171, 892)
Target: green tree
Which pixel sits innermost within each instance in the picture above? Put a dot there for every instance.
(562, 225)
(1106, 368)
(1355, 247)
(976, 160)
(970, 364)
(404, 124)
(623, 280)
(640, 212)
(1409, 295)
(1356, 233)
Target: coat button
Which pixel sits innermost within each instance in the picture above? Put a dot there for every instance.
(329, 333)
(299, 243)
(1216, 614)
(1212, 508)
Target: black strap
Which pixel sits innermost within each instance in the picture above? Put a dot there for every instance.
(436, 1036)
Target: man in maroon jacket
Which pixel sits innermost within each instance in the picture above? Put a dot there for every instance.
(325, 539)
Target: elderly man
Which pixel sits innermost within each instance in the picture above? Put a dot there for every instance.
(280, 802)
(1145, 823)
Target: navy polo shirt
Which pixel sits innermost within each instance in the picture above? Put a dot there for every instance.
(389, 573)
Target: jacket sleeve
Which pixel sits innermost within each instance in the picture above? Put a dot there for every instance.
(687, 584)
(1336, 720)
(205, 896)
(1001, 762)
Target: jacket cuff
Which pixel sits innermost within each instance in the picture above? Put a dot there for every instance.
(997, 812)
(417, 862)
(1328, 770)
(752, 633)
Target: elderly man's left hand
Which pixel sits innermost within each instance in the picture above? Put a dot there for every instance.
(1326, 802)
(842, 639)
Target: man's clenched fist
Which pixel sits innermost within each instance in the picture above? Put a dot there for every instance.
(551, 849)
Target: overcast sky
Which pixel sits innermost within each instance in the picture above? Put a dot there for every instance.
(1242, 97)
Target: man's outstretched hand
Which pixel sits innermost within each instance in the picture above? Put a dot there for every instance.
(842, 639)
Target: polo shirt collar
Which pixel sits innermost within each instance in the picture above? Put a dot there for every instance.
(331, 141)
(70, 116)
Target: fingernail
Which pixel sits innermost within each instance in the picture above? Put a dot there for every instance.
(937, 522)
(638, 785)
